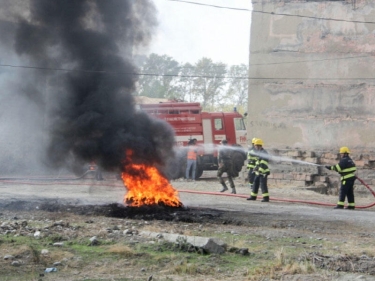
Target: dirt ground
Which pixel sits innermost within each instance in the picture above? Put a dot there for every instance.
(87, 199)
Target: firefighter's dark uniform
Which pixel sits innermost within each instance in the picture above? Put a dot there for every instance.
(346, 168)
(251, 162)
(261, 173)
(98, 173)
(225, 166)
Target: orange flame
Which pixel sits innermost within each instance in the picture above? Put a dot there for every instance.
(147, 186)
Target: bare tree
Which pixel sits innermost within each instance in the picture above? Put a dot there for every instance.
(160, 77)
(210, 82)
(237, 87)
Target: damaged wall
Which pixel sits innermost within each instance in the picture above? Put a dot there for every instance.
(312, 75)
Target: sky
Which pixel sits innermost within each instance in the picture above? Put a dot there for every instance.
(189, 32)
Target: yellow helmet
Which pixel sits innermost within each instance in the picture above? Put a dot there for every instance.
(258, 142)
(344, 149)
(253, 140)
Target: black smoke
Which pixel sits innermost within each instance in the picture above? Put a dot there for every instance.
(85, 48)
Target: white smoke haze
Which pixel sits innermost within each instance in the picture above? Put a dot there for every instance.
(22, 122)
(269, 156)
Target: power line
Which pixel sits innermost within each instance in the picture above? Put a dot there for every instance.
(273, 13)
(115, 72)
(184, 76)
(182, 67)
(311, 17)
(214, 6)
(283, 62)
(298, 61)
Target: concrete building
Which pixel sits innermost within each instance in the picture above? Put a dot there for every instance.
(312, 74)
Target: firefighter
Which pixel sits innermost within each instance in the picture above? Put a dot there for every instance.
(225, 166)
(262, 171)
(95, 168)
(191, 159)
(346, 168)
(251, 161)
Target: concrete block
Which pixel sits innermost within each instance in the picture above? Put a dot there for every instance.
(314, 160)
(272, 182)
(277, 175)
(332, 178)
(321, 188)
(294, 153)
(283, 153)
(330, 156)
(361, 163)
(357, 157)
(310, 154)
(210, 245)
(299, 177)
(320, 179)
(298, 183)
(288, 176)
(283, 183)
(278, 183)
(365, 156)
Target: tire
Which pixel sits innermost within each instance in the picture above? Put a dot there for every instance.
(182, 167)
(237, 161)
(172, 172)
(176, 166)
(198, 172)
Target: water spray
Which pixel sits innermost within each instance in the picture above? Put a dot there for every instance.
(210, 147)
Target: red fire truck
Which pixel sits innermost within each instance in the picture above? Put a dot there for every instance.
(189, 122)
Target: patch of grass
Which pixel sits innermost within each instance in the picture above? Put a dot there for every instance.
(55, 238)
(9, 276)
(278, 267)
(123, 251)
(18, 240)
(86, 250)
(189, 269)
(120, 279)
(22, 246)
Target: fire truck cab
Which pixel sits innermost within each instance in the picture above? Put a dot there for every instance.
(189, 122)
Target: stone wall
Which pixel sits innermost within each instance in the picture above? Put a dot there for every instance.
(311, 78)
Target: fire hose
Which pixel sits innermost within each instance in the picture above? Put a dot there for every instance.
(288, 200)
(17, 180)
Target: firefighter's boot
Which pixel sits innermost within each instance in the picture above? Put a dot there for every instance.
(233, 190)
(350, 208)
(252, 198)
(266, 199)
(225, 188)
(339, 207)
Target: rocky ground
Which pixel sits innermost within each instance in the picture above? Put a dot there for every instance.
(81, 229)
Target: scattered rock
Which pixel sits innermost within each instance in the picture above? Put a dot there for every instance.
(94, 241)
(8, 257)
(209, 245)
(16, 263)
(44, 252)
